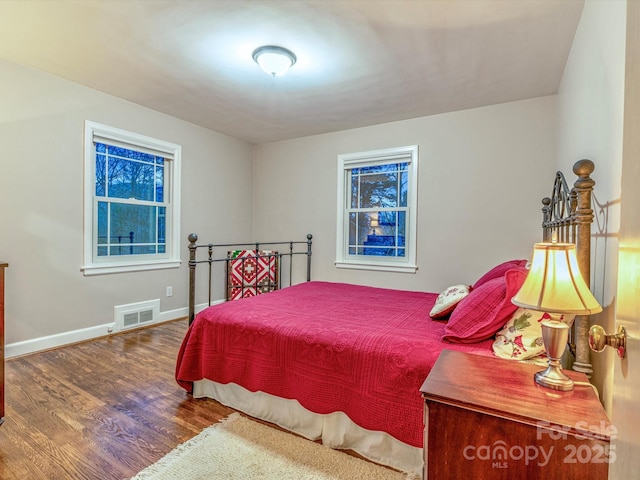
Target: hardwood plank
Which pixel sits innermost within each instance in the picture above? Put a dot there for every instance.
(103, 409)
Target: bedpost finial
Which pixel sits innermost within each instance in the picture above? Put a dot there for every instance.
(546, 201)
(309, 236)
(193, 238)
(583, 168)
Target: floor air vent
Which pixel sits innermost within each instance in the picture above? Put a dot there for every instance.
(136, 314)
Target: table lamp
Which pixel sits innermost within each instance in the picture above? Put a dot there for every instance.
(554, 284)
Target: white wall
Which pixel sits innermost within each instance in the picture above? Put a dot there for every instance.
(41, 200)
(482, 175)
(590, 125)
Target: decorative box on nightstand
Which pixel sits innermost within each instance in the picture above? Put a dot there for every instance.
(485, 418)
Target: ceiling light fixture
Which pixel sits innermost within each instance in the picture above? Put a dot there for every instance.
(274, 60)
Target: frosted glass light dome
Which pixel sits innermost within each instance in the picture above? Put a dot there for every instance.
(273, 60)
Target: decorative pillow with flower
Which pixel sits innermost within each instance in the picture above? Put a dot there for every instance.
(447, 301)
(521, 337)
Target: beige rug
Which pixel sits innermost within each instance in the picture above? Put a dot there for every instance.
(242, 449)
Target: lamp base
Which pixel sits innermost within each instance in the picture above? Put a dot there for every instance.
(553, 378)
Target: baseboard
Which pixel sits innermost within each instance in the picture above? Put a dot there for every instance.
(26, 347)
(34, 345)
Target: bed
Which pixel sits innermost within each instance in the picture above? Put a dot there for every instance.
(344, 363)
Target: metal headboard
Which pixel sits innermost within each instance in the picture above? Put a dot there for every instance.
(567, 217)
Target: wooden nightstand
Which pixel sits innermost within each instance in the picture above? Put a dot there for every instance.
(485, 418)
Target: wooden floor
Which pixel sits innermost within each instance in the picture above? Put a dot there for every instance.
(100, 410)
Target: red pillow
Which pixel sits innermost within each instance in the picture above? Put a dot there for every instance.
(499, 271)
(485, 310)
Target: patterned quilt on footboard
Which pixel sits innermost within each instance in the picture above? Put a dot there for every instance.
(251, 272)
(334, 347)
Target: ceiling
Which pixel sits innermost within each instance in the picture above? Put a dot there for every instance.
(359, 62)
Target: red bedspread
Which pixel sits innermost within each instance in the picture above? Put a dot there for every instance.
(334, 347)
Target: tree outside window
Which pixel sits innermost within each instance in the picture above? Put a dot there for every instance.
(132, 201)
(377, 194)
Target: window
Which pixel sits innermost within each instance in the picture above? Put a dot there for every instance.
(132, 201)
(377, 194)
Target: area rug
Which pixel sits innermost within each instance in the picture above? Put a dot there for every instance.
(241, 449)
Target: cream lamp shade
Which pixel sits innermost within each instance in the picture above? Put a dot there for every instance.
(554, 283)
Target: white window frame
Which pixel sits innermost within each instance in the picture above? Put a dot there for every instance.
(346, 162)
(94, 265)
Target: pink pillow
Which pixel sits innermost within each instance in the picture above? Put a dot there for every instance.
(485, 310)
(499, 271)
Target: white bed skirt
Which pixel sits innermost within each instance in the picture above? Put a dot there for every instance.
(335, 429)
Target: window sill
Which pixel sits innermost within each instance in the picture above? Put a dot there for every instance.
(90, 270)
(377, 266)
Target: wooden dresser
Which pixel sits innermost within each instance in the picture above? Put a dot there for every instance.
(2, 267)
(486, 418)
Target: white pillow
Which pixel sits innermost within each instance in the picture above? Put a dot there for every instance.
(447, 300)
(521, 336)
